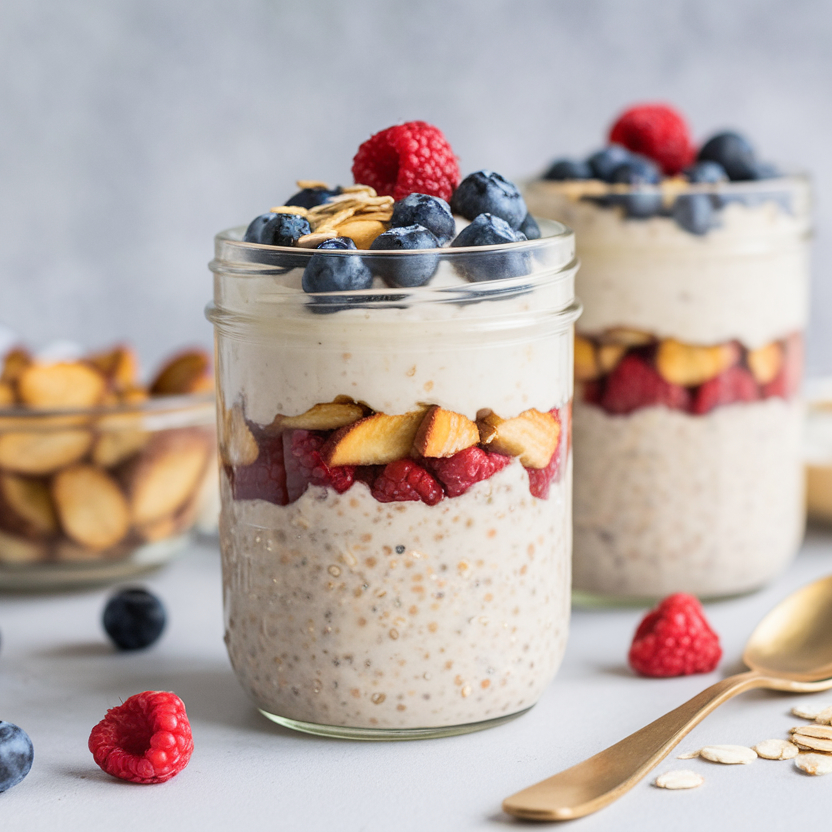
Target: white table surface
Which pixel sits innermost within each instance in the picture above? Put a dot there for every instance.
(58, 676)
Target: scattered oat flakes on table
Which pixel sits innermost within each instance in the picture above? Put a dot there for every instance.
(679, 779)
(811, 710)
(776, 750)
(728, 754)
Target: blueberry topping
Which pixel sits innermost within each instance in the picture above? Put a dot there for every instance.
(637, 172)
(338, 244)
(564, 169)
(605, 161)
(487, 192)
(407, 270)
(431, 212)
(277, 229)
(311, 197)
(766, 170)
(694, 212)
(706, 173)
(530, 228)
(16, 755)
(336, 272)
(733, 152)
(488, 230)
(134, 618)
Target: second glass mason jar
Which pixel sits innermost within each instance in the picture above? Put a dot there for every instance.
(688, 469)
(396, 485)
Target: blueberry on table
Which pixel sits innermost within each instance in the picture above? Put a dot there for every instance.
(637, 172)
(277, 229)
(134, 618)
(431, 212)
(733, 152)
(694, 212)
(605, 161)
(312, 197)
(405, 270)
(486, 192)
(16, 755)
(565, 169)
(488, 230)
(333, 272)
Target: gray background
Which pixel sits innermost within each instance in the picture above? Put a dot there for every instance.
(132, 130)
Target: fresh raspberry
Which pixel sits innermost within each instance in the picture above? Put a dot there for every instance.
(406, 480)
(265, 478)
(145, 740)
(304, 466)
(658, 132)
(734, 385)
(634, 383)
(787, 382)
(674, 639)
(405, 159)
(459, 472)
(541, 478)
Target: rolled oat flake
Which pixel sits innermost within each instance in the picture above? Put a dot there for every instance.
(729, 754)
(811, 710)
(814, 763)
(681, 778)
(776, 749)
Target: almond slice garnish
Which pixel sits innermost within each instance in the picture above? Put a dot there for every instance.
(532, 436)
(237, 443)
(443, 433)
(322, 416)
(188, 372)
(42, 452)
(61, 385)
(26, 506)
(373, 440)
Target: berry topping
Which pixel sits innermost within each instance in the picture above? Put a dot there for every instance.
(405, 480)
(634, 383)
(336, 272)
(277, 229)
(134, 618)
(311, 197)
(733, 152)
(145, 740)
(656, 131)
(637, 171)
(431, 212)
(541, 478)
(488, 230)
(605, 161)
(706, 173)
(16, 755)
(529, 228)
(674, 639)
(409, 158)
(304, 466)
(405, 271)
(486, 192)
(563, 169)
(459, 472)
(736, 384)
(265, 478)
(694, 212)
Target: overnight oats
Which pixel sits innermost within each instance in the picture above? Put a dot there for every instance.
(694, 279)
(395, 382)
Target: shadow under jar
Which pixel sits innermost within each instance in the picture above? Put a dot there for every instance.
(396, 485)
(688, 469)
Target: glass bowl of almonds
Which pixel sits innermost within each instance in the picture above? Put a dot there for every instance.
(102, 476)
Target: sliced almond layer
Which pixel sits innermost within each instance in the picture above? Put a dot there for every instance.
(443, 433)
(91, 507)
(7, 396)
(42, 452)
(628, 337)
(361, 232)
(532, 436)
(689, 365)
(188, 372)
(766, 362)
(237, 443)
(586, 361)
(19, 550)
(113, 446)
(26, 506)
(14, 362)
(373, 440)
(61, 385)
(609, 356)
(119, 365)
(323, 416)
(167, 473)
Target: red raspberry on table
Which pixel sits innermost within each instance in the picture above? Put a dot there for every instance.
(674, 639)
(405, 480)
(459, 472)
(304, 465)
(634, 383)
(405, 159)
(736, 384)
(656, 131)
(265, 478)
(146, 740)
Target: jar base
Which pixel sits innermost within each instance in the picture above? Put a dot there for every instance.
(587, 600)
(389, 734)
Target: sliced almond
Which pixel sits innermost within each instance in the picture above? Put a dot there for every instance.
(628, 337)
(314, 239)
(361, 231)
(443, 433)
(728, 755)
(373, 440)
(586, 361)
(766, 362)
(171, 525)
(324, 416)
(609, 356)
(776, 750)
(14, 362)
(62, 385)
(166, 474)
(20, 550)
(91, 507)
(188, 372)
(42, 452)
(689, 365)
(26, 506)
(679, 779)
(237, 443)
(114, 446)
(119, 365)
(532, 436)
(7, 396)
(815, 764)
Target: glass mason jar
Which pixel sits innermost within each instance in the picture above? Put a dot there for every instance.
(396, 484)
(689, 359)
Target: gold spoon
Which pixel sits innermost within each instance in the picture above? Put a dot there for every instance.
(790, 650)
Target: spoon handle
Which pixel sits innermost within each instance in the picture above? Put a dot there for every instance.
(598, 781)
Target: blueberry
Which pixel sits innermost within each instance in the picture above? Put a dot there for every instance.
(694, 212)
(336, 272)
(405, 270)
(16, 755)
(488, 230)
(276, 229)
(487, 192)
(134, 618)
(605, 161)
(431, 212)
(530, 228)
(338, 244)
(637, 172)
(733, 152)
(311, 197)
(563, 169)
(706, 173)
(765, 170)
